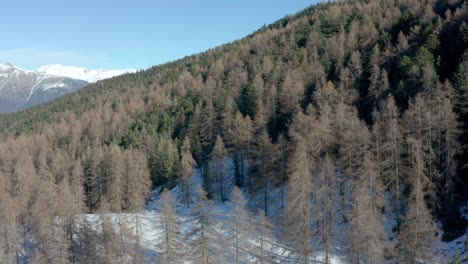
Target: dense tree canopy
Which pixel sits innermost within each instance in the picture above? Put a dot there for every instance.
(336, 106)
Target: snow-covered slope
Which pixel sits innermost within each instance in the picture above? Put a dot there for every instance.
(220, 230)
(147, 231)
(81, 73)
(21, 88)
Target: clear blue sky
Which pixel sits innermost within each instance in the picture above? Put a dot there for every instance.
(122, 34)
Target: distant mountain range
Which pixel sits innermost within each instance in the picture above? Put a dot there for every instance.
(20, 89)
(81, 73)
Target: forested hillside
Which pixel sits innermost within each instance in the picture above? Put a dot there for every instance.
(347, 117)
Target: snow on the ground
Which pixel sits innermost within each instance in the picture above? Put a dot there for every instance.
(150, 228)
(220, 212)
(48, 86)
(459, 245)
(5, 66)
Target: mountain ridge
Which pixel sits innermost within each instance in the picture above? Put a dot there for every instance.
(21, 89)
(82, 73)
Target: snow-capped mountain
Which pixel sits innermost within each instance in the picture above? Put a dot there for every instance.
(81, 73)
(20, 89)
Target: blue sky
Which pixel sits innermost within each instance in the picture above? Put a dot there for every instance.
(127, 34)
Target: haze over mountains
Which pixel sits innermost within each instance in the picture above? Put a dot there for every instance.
(20, 88)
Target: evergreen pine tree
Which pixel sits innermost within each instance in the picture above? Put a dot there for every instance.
(248, 101)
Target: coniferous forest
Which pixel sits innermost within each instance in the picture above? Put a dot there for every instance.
(335, 135)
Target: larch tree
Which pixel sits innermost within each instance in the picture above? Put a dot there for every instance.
(171, 243)
(208, 116)
(402, 42)
(326, 99)
(240, 225)
(374, 87)
(52, 241)
(450, 146)
(242, 135)
(108, 237)
(137, 179)
(435, 95)
(187, 164)
(53, 245)
(93, 180)
(353, 139)
(264, 236)
(293, 89)
(355, 66)
(323, 207)
(389, 146)
(379, 83)
(87, 248)
(228, 120)
(263, 157)
(22, 185)
(138, 184)
(221, 182)
(9, 229)
(205, 242)
(299, 199)
(325, 136)
(461, 87)
(115, 161)
(418, 230)
(76, 188)
(124, 235)
(68, 209)
(77, 182)
(366, 233)
(419, 121)
(281, 168)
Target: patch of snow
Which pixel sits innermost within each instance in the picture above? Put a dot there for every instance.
(3, 86)
(48, 86)
(33, 89)
(460, 245)
(464, 211)
(5, 66)
(81, 73)
(150, 230)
